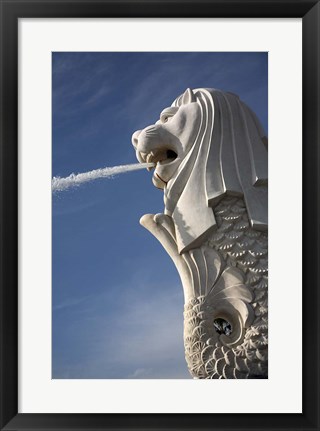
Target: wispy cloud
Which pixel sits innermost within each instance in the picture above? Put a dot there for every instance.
(140, 373)
(98, 95)
(144, 339)
(70, 302)
(78, 87)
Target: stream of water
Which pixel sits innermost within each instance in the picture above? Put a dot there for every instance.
(61, 184)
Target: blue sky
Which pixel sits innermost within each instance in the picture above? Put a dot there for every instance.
(117, 302)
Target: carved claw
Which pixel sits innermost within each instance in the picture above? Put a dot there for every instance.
(162, 227)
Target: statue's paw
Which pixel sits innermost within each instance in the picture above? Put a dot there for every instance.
(158, 218)
(147, 220)
(162, 221)
(166, 222)
(162, 227)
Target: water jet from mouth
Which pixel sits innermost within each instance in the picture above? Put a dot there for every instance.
(59, 184)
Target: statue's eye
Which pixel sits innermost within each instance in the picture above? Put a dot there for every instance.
(165, 118)
(167, 114)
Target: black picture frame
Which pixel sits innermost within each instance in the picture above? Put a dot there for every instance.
(11, 11)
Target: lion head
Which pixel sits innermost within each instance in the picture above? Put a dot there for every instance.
(206, 145)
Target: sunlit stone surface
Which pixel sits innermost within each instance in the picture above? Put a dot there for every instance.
(211, 162)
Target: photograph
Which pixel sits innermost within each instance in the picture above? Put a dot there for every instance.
(137, 141)
(159, 215)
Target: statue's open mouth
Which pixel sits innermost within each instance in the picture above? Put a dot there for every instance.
(161, 157)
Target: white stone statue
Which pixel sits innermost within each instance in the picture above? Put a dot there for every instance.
(211, 162)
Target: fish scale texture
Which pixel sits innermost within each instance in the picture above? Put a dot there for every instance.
(208, 354)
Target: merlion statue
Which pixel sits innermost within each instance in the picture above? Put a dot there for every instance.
(210, 153)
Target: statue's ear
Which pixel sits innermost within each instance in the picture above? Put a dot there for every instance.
(188, 97)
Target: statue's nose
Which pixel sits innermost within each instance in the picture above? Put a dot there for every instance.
(135, 138)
